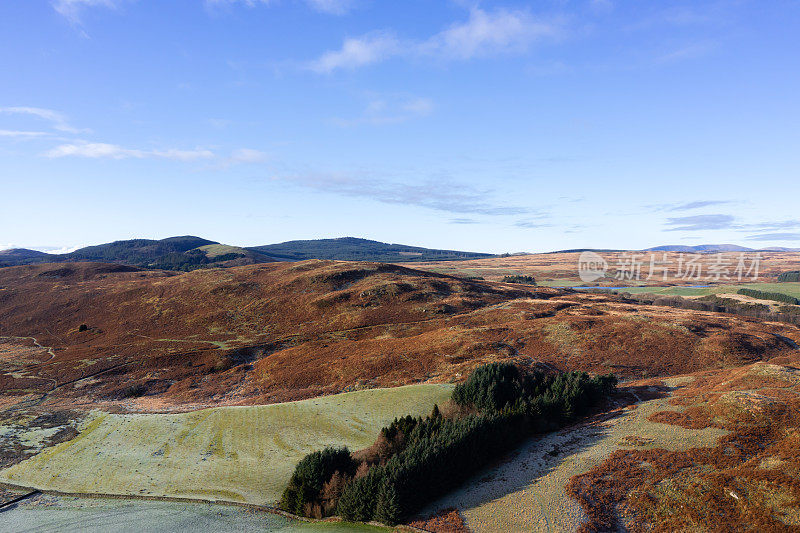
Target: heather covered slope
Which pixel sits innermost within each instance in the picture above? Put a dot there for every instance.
(281, 331)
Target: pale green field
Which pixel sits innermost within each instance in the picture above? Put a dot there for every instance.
(45, 513)
(790, 288)
(238, 454)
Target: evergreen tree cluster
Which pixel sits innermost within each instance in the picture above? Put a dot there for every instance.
(525, 280)
(793, 275)
(764, 295)
(424, 458)
(310, 476)
(554, 398)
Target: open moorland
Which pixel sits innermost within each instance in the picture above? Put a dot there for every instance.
(178, 382)
(561, 269)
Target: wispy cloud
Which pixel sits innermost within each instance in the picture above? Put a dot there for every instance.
(531, 224)
(333, 7)
(241, 156)
(358, 52)
(113, 151)
(23, 134)
(57, 120)
(390, 110)
(687, 51)
(463, 221)
(484, 33)
(774, 237)
(700, 222)
(439, 195)
(687, 206)
(767, 226)
(71, 9)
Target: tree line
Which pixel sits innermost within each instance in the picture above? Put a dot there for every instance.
(714, 304)
(765, 295)
(793, 275)
(518, 278)
(416, 460)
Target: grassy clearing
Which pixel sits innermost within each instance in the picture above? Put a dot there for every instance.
(239, 454)
(216, 250)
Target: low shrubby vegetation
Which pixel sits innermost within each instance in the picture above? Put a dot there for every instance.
(764, 295)
(524, 280)
(416, 460)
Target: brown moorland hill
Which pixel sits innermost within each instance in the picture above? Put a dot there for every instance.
(153, 340)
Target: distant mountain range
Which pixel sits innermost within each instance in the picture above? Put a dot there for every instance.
(190, 253)
(717, 248)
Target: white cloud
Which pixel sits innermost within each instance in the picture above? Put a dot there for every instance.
(334, 7)
(247, 155)
(689, 51)
(489, 33)
(390, 109)
(24, 134)
(58, 120)
(71, 9)
(418, 106)
(58, 249)
(247, 3)
(113, 151)
(484, 33)
(358, 52)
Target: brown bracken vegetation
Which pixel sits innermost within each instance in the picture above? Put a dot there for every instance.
(282, 331)
(749, 482)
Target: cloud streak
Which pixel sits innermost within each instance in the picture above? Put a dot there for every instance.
(114, 151)
(390, 110)
(700, 222)
(440, 196)
(71, 9)
(484, 33)
(331, 7)
(774, 237)
(23, 134)
(57, 120)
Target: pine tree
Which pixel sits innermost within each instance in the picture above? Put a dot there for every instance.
(388, 508)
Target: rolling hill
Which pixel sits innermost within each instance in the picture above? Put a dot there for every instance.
(355, 249)
(190, 253)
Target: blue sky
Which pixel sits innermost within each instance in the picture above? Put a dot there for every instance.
(487, 126)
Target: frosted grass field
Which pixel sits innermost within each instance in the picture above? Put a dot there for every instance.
(236, 454)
